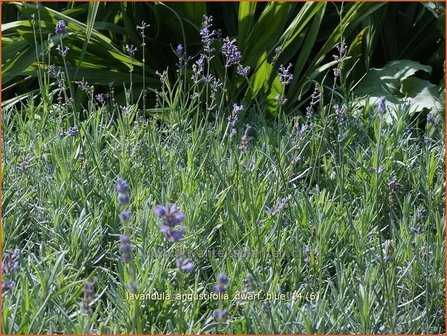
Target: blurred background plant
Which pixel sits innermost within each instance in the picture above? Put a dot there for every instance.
(267, 35)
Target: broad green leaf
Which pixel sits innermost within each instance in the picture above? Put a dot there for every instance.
(246, 17)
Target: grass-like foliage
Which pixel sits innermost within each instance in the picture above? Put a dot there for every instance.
(203, 214)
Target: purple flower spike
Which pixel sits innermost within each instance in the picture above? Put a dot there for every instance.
(125, 249)
(123, 198)
(122, 186)
(124, 216)
(231, 53)
(61, 28)
(381, 109)
(220, 314)
(131, 50)
(170, 215)
(285, 77)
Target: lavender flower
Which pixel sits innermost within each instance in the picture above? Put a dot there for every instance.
(61, 28)
(171, 218)
(243, 70)
(208, 35)
(172, 234)
(431, 119)
(124, 216)
(123, 191)
(89, 295)
(222, 283)
(125, 249)
(279, 100)
(100, 98)
(381, 109)
(180, 50)
(131, 50)
(62, 51)
(198, 70)
(122, 186)
(170, 215)
(285, 77)
(123, 199)
(220, 314)
(427, 140)
(53, 71)
(73, 131)
(184, 264)
(416, 230)
(231, 53)
(340, 112)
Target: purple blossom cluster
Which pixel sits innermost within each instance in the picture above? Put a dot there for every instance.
(172, 218)
(230, 52)
(208, 35)
(61, 28)
(285, 77)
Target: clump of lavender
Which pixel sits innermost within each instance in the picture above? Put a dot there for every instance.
(172, 218)
(10, 265)
(89, 296)
(230, 52)
(341, 48)
(381, 108)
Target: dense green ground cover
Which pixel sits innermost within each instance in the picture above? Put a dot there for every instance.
(363, 246)
(320, 215)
